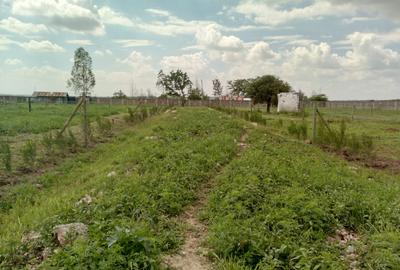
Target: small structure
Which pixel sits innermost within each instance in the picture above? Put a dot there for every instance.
(50, 97)
(288, 102)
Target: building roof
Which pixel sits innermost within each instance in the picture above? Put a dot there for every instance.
(49, 94)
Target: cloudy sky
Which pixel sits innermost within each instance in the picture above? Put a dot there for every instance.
(348, 49)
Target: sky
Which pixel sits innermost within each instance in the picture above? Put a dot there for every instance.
(347, 49)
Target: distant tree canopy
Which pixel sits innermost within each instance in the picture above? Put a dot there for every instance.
(264, 89)
(119, 94)
(238, 87)
(319, 97)
(196, 94)
(217, 87)
(176, 83)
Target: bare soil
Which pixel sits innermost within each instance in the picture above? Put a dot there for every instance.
(193, 255)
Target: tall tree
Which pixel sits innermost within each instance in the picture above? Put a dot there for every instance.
(217, 87)
(119, 94)
(265, 89)
(82, 82)
(238, 87)
(319, 97)
(176, 83)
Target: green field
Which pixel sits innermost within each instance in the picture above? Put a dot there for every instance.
(16, 119)
(273, 202)
(382, 125)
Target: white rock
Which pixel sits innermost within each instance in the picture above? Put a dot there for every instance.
(350, 249)
(112, 174)
(66, 233)
(31, 237)
(85, 200)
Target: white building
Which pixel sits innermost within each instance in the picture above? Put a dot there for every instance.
(288, 102)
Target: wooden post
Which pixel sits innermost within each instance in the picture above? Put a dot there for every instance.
(70, 117)
(29, 104)
(85, 120)
(314, 135)
(372, 107)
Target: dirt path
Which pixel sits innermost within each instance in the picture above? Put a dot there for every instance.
(193, 256)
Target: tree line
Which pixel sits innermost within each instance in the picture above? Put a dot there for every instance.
(262, 89)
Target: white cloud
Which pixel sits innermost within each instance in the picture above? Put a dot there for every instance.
(268, 14)
(16, 26)
(109, 16)
(140, 64)
(76, 16)
(158, 12)
(369, 53)
(194, 64)
(102, 53)
(126, 43)
(261, 51)
(384, 8)
(209, 36)
(5, 42)
(80, 42)
(41, 46)
(12, 61)
(45, 78)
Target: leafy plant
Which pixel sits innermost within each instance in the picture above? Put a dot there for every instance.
(29, 153)
(299, 130)
(104, 126)
(48, 143)
(5, 155)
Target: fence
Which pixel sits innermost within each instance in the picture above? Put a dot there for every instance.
(356, 104)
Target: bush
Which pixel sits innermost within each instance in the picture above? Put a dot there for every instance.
(299, 130)
(72, 142)
(48, 143)
(340, 139)
(29, 153)
(5, 155)
(104, 126)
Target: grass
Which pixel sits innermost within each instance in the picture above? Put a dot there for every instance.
(15, 118)
(158, 167)
(276, 206)
(382, 125)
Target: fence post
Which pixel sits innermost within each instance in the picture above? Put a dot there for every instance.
(29, 104)
(314, 135)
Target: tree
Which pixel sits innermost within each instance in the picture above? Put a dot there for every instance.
(119, 94)
(217, 87)
(82, 82)
(319, 97)
(238, 87)
(265, 89)
(196, 94)
(176, 83)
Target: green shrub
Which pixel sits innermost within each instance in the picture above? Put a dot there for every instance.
(104, 126)
(5, 155)
(298, 130)
(72, 142)
(48, 143)
(340, 139)
(29, 153)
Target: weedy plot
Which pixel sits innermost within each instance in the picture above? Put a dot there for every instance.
(280, 205)
(16, 119)
(127, 193)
